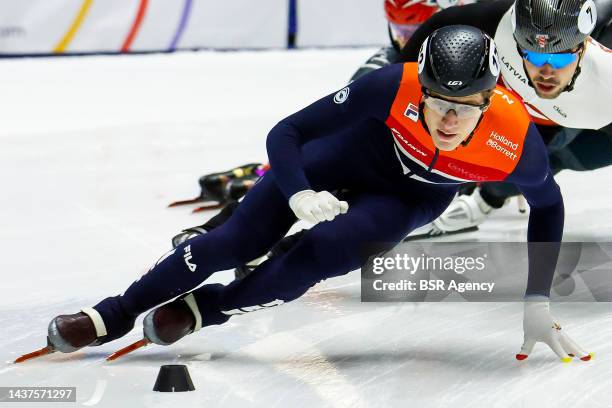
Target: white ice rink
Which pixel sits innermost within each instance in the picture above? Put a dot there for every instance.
(93, 149)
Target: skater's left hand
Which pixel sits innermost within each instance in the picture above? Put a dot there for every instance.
(316, 207)
(539, 325)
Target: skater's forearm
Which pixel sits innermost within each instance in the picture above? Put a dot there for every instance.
(544, 235)
(545, 231)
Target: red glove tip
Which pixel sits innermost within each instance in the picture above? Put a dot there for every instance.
(521, 357)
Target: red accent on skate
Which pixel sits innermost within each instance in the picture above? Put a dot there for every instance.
(586, 358)
(521, 357)
(185, 202)
(128, 349)
(43, 351)
(207, 207)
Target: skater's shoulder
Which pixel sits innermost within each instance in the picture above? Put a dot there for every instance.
(508, 104)
(597, 64)
(506, 115)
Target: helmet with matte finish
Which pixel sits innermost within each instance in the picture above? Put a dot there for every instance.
(458, 60)
(552, 26)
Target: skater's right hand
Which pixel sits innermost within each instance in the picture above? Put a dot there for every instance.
(539, 325)
(316, 207)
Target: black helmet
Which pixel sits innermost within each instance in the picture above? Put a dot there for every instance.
(550, 26)
(458, 60)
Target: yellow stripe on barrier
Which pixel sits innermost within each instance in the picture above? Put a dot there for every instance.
(74, 27)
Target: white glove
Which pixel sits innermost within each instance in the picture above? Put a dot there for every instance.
(539, 325)
(316, 207)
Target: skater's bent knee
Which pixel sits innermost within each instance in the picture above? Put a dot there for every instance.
(330, 254)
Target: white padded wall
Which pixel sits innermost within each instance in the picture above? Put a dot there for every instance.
(341, 22)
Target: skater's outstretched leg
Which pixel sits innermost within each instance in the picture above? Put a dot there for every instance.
(262, 220)
(329, 249)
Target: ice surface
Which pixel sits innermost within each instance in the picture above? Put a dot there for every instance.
(92, 151)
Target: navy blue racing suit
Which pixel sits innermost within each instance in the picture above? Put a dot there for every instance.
(330, 145)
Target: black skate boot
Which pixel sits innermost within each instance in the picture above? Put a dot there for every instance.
(237, 188)
(243, 271)
(68, 333)
(216, 188)
(208, 226)
(283, 246)
(172, 321)
(215, 185)
(188, 233)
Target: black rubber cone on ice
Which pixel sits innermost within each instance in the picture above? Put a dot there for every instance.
(173, 378)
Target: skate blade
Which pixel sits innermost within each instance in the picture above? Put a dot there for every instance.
(38, 353)
(208, 207)
(187, 202)
(128, 349)
(444, 234)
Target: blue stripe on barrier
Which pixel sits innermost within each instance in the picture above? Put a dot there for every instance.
(292, 26)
